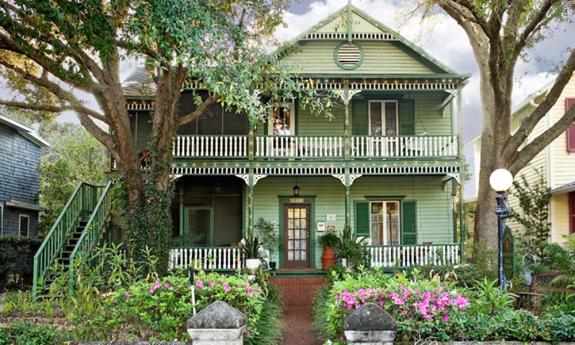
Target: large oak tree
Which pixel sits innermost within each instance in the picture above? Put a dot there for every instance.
(501, 32)
(72, 46)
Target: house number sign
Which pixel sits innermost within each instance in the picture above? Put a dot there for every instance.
(296, 200)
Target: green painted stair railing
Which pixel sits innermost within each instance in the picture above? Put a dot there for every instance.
(81, 204)
(93, 230)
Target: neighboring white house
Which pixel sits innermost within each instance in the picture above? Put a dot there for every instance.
(556, 162)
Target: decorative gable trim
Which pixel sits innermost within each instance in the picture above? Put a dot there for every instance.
(338, 36)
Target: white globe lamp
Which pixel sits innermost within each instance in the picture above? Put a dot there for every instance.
(501, 180)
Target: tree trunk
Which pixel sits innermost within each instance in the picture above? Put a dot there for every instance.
(149, 217)
(493, 139)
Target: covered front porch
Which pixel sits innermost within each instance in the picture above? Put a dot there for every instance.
(407, 221)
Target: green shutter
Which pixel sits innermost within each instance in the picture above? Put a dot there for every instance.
(406, 117)
(359, 121)
(362, 218)
(408, 223)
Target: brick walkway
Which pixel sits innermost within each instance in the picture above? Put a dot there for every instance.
(297, 294)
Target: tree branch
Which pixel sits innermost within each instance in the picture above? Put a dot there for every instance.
(543, 140)
(184, 120)
(54, 109)
(517, 139)
(534, 25)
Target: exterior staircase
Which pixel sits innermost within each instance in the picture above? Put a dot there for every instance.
(76, 231)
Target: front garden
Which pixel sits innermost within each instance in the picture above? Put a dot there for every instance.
(445, 305)
(113, 301)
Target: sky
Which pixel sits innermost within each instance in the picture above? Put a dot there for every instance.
(440, 36)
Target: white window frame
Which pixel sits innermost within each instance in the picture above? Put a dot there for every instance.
(20, 216)
(386, 240)
(383, 123)
(291, 107)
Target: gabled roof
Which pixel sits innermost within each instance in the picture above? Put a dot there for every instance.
(376, 24)
(532, 98)
(24, 131)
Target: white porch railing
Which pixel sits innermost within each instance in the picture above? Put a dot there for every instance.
(403, 146)
(209, 258)
(299, 147)
(214, 146)
(315, 147)
(403, 256)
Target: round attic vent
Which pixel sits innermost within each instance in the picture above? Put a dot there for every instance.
(348, 56)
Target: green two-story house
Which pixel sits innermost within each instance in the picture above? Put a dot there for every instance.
(387, 164)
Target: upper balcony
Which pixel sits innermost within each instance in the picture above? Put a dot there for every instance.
(316, 147)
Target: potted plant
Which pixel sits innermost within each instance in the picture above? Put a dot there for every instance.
(352, 251)
(269, 237)
(329, 241)
(250, 249)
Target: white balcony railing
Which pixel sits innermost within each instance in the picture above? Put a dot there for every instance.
(404, 256)
(214, 146)
(315, 147)
(208, 258)
(299, 147)
(404, 146)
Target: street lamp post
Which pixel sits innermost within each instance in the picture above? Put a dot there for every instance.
(501, 180)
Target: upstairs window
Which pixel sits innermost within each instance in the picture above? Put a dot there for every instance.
(24, 225)
(281, 119)
(570, 102)
(383, 118)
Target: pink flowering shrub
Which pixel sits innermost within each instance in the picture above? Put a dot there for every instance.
(158, 310)
(418, 306)
(411, 303)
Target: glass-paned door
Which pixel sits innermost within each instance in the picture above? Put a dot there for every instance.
(297, 233)
(384, 222)
(383, 118)
(198, 225)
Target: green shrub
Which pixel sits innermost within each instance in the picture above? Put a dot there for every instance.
(438, 310)
(17, 260)
(26, 333)
(561, 327)
(20, 303)
(159, 310)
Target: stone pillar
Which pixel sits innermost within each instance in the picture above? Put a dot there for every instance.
(218, 324)
(370, 325)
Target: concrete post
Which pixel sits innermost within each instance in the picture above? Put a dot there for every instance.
(218, 324)
(370, 325)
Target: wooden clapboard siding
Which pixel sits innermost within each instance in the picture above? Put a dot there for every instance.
(379, 57)
(434, 210)
(562, 162)
(311, 124)
(554, 161)
(560, 222)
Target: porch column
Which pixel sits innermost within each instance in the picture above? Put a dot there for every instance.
(347, 203)
(461, 166)
(347, 180)
(250, 228)
(251, 180)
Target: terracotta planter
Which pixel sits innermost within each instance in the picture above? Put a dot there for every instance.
(328, 257)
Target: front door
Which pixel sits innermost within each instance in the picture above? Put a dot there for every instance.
(296, 236)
